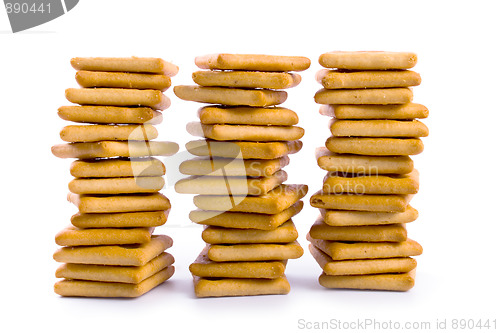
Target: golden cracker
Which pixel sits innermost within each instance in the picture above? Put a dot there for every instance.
(240, 287)
(120, 220)
(131, 64)
(354, 218)
(406, 111)
(91, 79)
(230, 96)
(93, 133)
(118, 97)
(390, 282)
(100, 114)
(255, 252)
(335, 79)
(368, 60)
(246, 79)
(117, 167)
(72, 236)
(364, 96)
(119, 203)
(122, 185)
(252, 62)
(378, 128)
(277, 116)
(375, 146)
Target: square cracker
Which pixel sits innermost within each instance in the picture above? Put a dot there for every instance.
(92, 79)
(375, 146)
(337, 183)
(131, 64)
(363, 266)
(120, 220)
(119, 203)
(389, 282)
(101, 114)
(245, 132)
(354, 218)
(365, 250)
(73, 236)
(84, 288)
(93, 133)
(240, 220)
(378, 128)
(201, 166)
(370, 233)
(335, 79)
(117, 167)
(246, 79)
(230, 96)
(277, 116)
(204, 287)
(364, 96)
(122, 185)
(273, 202)
(285, 233)
(244, 149)
(115, 255)
(362, 164)
(123, 274)
(204, 267)
(215, 185)
(255, 252)
(100, 149)
(364, 202)
(406, 111)
(252, 62)
(368, 60)
(118, 97)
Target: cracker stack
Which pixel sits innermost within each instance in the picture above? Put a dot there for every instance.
(238, 175)
(109, 250)
(360, 239)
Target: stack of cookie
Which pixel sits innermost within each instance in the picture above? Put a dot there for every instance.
(109, 250)
(360, 239)
(238, 173)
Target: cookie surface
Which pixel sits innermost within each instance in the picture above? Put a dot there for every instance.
(240, 287)
(230, 96)
(337, 183)
(101, 149)
(375, 146)
(120, 220)
(204, 267)
(273, 202)
(119, 203)
(363, 266)
(362, 164)
(406, 111)
(122, 185)
(367, 60)
(353, 218)
(285, 233)
(241, 220)
(378, 128)
(84, 288)
(244, 149)
(72, 236)
(123, 274)
(131, 64)
(117, 167)
(93, 133)
(365, 202)
(334, 79)
(377, 233)
(100, 114)
(246, 79)
(364, 96)
(390, 282)
(215, 185)
(91, 79)
(118, 97)
(255, 252)
(117, 255)
(252, 62)
(217, 166)
(245, 132)
(277, 116)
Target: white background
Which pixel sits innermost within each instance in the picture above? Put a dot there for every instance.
(458, 202)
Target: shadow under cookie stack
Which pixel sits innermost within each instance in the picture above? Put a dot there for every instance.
(109, 250)
(238, 174)
(360, 239)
